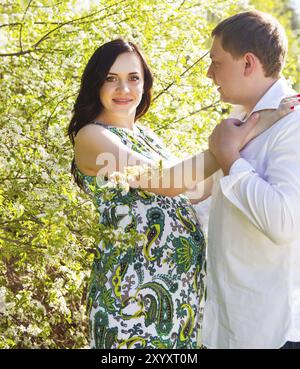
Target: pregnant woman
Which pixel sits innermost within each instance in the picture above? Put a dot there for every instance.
(147, 295)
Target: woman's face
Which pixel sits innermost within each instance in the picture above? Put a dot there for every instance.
(122, 90)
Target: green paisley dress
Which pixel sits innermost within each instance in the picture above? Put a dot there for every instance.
(149, 295)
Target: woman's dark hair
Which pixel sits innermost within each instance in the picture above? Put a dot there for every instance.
(88, 105)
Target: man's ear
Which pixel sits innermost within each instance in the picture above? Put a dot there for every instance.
(250, 63)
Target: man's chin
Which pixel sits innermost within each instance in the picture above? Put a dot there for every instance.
(224, 98)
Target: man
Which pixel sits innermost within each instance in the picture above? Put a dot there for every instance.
(253, 256)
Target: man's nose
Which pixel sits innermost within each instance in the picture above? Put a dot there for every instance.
(209, 73)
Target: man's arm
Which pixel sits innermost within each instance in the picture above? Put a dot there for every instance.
(271, 202)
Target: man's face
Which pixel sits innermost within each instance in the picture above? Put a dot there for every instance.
(227, 73)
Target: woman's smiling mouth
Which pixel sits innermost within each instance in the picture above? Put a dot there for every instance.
(122, 101)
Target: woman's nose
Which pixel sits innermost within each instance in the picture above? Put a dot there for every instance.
(123, 86)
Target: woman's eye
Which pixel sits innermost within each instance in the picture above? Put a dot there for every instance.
(111, 79)
(135, 78)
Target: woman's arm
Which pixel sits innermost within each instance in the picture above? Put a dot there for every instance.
(201, 191)
(270, 116)
(100, 152)
(186, 174)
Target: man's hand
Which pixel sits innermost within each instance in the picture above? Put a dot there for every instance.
(228, 138)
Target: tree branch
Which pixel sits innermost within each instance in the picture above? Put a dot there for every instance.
(21, 27)
(10, 24)
(73, 21)
(181, 75)
(14, 241)
(45, 36)
(47, 6)
(189, 115)
(49, 102)
(53, 111)
(14, 178)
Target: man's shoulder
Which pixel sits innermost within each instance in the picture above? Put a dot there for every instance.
(286, 131)
(290, 122)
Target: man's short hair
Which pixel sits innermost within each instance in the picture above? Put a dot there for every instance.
(258, 33)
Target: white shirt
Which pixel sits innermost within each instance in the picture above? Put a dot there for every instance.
(253, 256)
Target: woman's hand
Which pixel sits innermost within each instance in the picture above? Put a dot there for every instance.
(270, 116)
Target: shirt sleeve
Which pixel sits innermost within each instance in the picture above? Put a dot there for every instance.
(270, 201)
(202, 212)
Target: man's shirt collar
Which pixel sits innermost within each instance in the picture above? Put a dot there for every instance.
(270, 100)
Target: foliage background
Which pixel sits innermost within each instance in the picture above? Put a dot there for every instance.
(48, 228)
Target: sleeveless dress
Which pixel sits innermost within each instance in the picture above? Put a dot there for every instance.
(147, 295)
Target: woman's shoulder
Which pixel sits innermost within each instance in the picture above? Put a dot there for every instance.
(90, 141)
(96, 136)
(89, 130)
